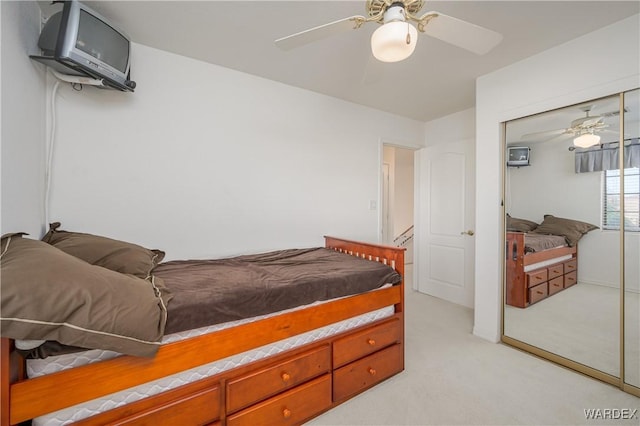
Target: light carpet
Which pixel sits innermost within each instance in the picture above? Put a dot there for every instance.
(452, 377)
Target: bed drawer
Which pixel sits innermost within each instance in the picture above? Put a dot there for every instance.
(536, 277)
(570, 266)
(256, 386)
(538, 293)
(570, 279)
(289, 408)
(197, 409)
(366, 342)
(556, 270)
(362, 374)
(555, 285)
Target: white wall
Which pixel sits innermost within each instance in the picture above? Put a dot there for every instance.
(561, 76)
(204, 161)
(451, 128)
(23, 120)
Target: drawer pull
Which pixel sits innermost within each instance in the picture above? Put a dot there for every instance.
(371, 342)
(539, 292)
(372, 371)
(538, 277)
(286, 413)
(285, 377)
(555, 284)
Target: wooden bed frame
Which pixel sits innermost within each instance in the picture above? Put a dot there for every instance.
(288, 388)
(525, 288)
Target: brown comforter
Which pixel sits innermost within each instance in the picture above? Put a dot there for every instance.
(207, 292)
(538, 242)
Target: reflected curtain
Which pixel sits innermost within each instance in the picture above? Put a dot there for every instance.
(606, 157)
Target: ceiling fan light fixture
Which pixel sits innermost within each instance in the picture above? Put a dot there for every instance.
(394, 41)
(586, 140)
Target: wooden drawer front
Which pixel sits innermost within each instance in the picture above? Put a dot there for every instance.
(570, 266)
(570, 279)
(538, 293)
(200, 408)
(555, 285)
(259, 385)
(365, 342)
(556, 270)
(536, 277)
(289, 408)
(362, 374)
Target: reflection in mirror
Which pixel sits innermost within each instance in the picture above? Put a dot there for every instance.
(562, 285)
(632, 239)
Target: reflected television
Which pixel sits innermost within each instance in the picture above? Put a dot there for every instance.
(518, 156)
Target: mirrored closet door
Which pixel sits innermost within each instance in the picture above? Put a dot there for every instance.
(568, 254)
(631, 210)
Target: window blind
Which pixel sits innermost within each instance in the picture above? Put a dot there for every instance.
(613, 199)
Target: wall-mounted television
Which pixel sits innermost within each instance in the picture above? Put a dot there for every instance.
(518, 156)
(79, 41)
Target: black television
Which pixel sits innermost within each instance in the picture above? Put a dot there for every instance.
(79, 41)
(518, 156)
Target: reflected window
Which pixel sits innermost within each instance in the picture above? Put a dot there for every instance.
(612, 199)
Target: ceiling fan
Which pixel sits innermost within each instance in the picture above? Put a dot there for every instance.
(396, 38)
(584, 129)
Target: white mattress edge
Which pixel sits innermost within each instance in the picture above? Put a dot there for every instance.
(548, 262)
(96, 406)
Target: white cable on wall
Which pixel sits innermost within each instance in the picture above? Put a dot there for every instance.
(74, 80)
(49, 151)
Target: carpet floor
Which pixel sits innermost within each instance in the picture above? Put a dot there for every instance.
(452, 377)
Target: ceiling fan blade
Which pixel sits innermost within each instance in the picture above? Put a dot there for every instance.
(544, 136)
(560, 137)
(318, 33)
(466, 35)
(613, 113)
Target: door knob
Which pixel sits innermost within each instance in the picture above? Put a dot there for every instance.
(469, 232)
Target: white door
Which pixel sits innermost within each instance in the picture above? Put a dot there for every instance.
(445, 217)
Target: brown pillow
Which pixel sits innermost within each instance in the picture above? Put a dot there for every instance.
(47, 294)
(116, 255)
(520, 225)
(571, 230)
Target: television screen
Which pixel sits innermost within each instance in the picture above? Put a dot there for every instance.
(518, 156)
(102, 42)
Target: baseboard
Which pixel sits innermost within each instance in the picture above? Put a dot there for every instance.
(608, 285)
(486, 335)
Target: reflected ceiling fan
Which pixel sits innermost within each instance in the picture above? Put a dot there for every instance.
(397, 36)
(584, 130)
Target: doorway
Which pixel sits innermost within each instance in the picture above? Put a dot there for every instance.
(398, 198)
